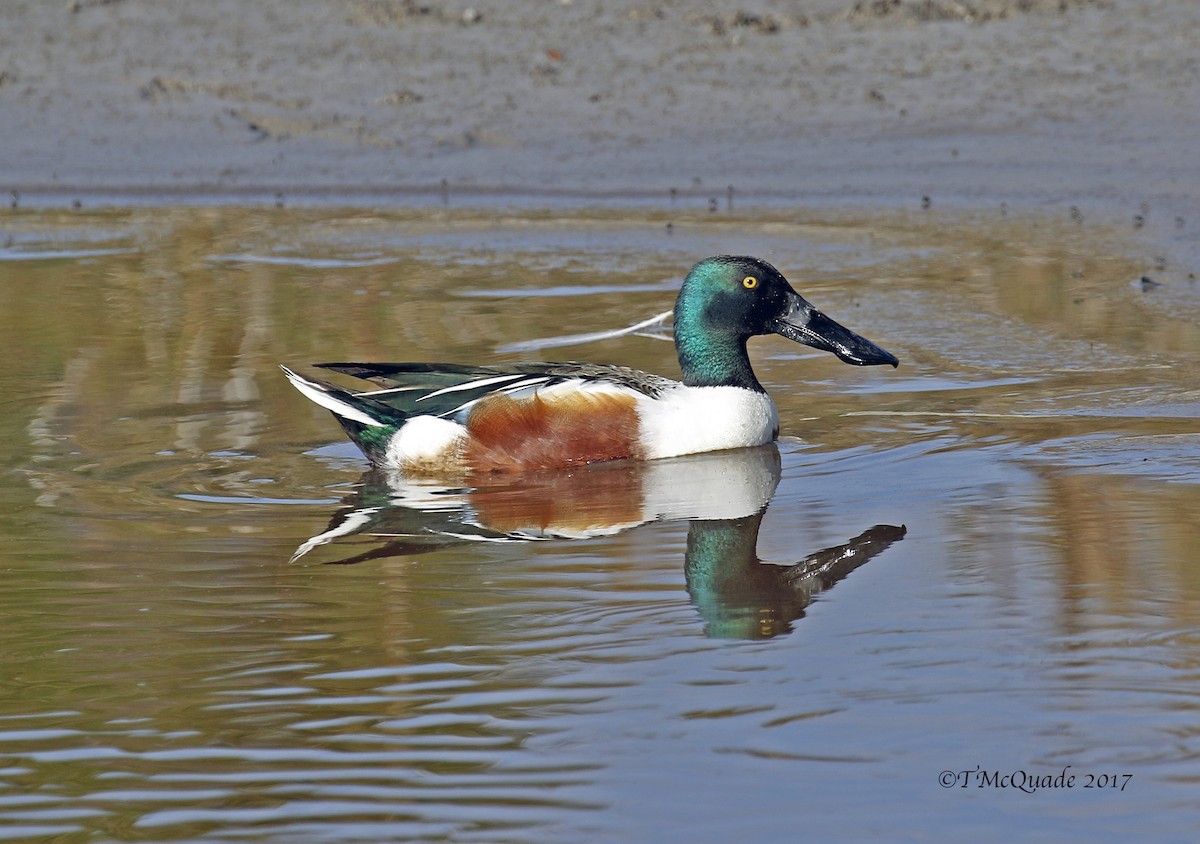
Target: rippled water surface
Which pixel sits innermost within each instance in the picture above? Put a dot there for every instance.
(976, 570)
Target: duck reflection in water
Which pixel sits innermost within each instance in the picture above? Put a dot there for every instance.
(723, 496)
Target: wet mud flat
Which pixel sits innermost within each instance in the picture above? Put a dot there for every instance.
(1043, 104)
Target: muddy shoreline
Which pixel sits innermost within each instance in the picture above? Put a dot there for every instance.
(1082, 107)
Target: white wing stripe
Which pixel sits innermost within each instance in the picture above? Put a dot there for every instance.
(389, 391)
(511, 388)
(471, 385)
(528, 382)
(321, 396)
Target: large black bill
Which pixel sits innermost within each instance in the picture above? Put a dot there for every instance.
(805, 324)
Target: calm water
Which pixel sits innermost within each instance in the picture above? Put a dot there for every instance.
(986, 560)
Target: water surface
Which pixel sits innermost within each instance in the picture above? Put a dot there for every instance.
(983, 561)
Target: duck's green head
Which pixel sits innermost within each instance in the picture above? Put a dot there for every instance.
(727, 299)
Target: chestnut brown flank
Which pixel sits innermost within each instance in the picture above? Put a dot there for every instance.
(511, 435)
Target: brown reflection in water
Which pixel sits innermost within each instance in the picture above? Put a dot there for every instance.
(143, 414)
(1068, 287)
(192, 322)
(1124, 542)
(153, 372)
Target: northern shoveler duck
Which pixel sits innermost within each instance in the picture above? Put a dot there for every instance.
(430, 418)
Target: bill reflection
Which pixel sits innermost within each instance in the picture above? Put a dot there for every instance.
(723, 496)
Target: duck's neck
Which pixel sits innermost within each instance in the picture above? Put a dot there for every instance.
(711, 358)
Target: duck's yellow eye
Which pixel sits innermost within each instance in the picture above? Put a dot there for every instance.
(749, 282)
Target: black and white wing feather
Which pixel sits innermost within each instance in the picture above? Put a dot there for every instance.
(446, 389)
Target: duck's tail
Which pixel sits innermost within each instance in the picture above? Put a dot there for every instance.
(369, 423)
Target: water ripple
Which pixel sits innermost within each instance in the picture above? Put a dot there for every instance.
(168, 674)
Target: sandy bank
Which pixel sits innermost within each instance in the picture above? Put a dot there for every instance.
(1044, 103)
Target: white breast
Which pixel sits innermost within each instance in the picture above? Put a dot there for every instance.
(690, 420)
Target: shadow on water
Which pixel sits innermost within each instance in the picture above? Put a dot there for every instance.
(722, 496)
